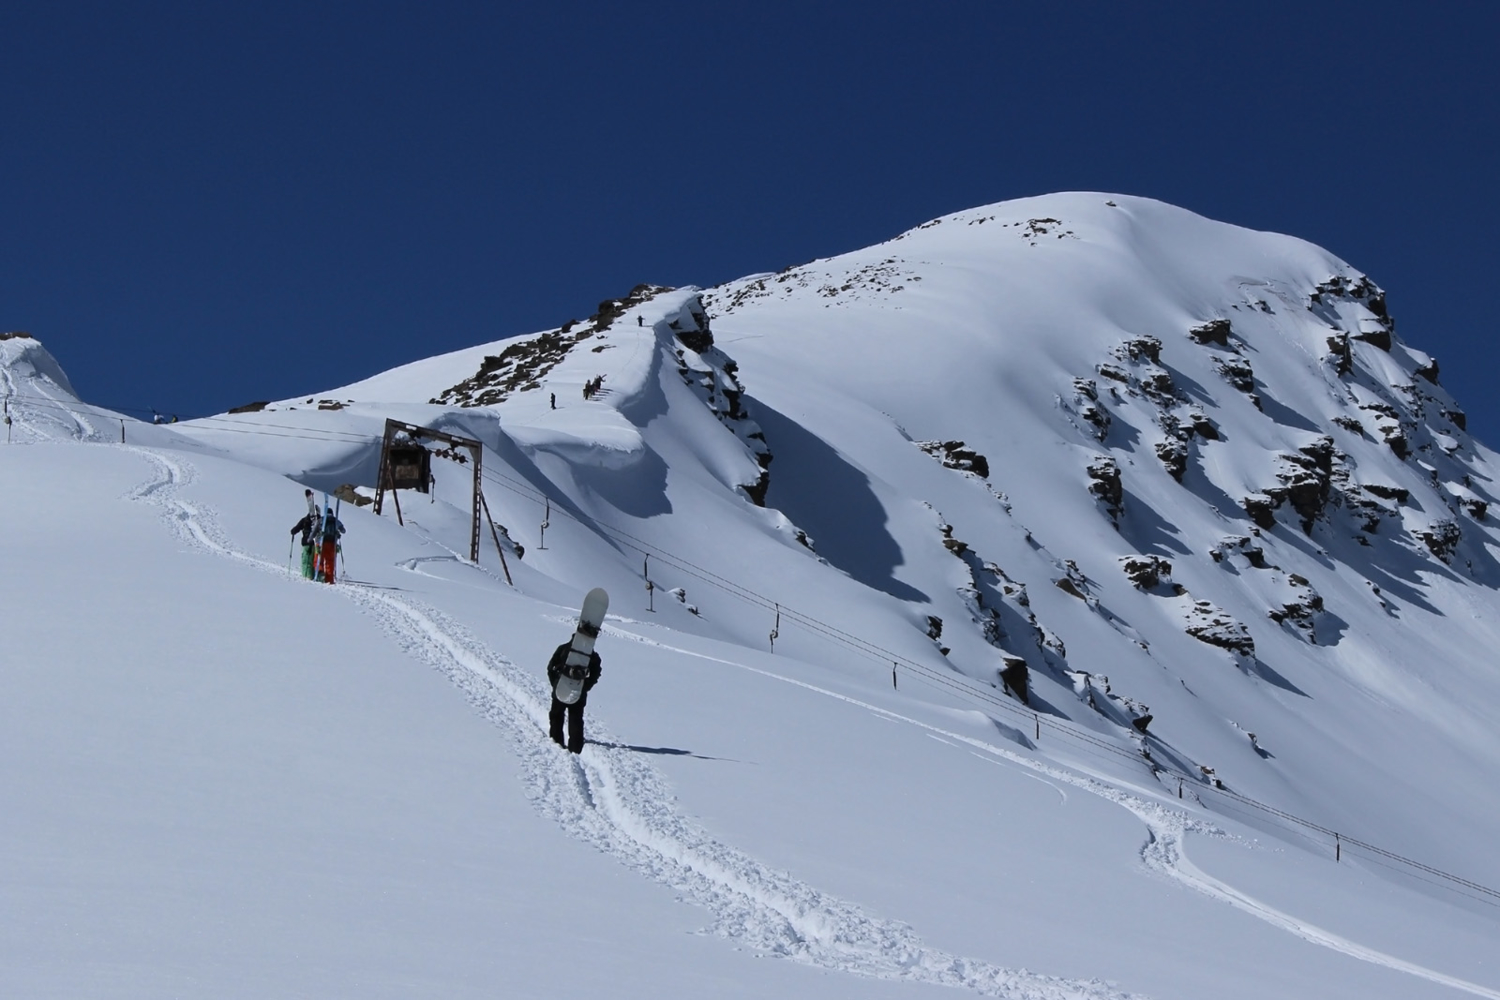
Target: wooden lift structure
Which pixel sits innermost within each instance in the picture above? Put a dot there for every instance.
(406, 464)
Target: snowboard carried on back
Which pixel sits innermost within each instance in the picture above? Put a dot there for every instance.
(575, 669)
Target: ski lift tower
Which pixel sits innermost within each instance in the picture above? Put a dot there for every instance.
(406, 464)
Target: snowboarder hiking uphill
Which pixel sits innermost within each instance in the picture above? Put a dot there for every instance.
(329, 536)
(309, 528)
(574, 669)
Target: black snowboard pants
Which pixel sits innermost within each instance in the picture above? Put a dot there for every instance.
(575, 723)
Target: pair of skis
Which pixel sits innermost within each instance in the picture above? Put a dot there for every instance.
(316, 521)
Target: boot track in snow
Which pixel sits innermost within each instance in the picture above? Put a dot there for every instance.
(613, 800)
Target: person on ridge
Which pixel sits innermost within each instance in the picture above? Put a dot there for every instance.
(575, 710)
(332, 529)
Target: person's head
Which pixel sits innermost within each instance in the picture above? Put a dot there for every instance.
(307, 493)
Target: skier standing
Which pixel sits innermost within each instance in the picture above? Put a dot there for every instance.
(555, 667)
(332, 529)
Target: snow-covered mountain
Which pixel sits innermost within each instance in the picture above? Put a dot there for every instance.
(1159, 515)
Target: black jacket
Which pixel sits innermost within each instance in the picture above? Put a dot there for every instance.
(560, 656)
(306, 526)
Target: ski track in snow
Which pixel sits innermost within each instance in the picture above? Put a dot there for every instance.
(611, 799)
(1164, 851)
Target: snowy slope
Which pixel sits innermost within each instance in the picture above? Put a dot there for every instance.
(239, 782)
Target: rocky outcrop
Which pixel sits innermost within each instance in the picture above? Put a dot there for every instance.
(1307, 479)
(1215, 332)
(1240, 545)
(1217, 627)
(956, 455)
(1173, 455)
(1262, 510)
(1238, 373)
(1441, 538)
(1090, 409)
(1147, 572)
(1301, 611)
(1106, 487)
(1376, 327)
(523, 364)
(714, 376)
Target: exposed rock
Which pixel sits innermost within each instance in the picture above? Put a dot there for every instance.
(1090, 409)
(1262, 510)
(1174, 457)
(1015, 678)
(955, 455)
(1217, 627)
(524, 363)
(1307, 479)
(1396, 493)
(1242, 545)
(255, 407)
(713, 376)
(1342, 353)
(23, 335)
(1301, 612)
(1106, 486)
(1145, 347)
(1429, 371)
(1199, 424)
(1146, 572)
(1215, 331)
(950, 543)
(1114, 372)
(1237, 372)
(1377, 330)
(1158, 386)
(1073, 581)
(1441, 538)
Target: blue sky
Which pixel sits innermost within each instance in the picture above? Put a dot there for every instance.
(208, 204)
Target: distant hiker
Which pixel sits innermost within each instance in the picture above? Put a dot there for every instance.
(640, 321)
(574, 711)
(329, 534)
(553, 397)
(588, 388)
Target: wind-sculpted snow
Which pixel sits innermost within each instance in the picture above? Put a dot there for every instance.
(40, 401)
(609, 798)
